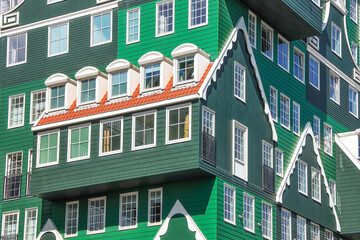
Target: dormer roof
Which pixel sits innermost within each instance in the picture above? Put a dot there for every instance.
(120, 64)
(153, 57)
(89, 72)
(58, 79)
(187, 49)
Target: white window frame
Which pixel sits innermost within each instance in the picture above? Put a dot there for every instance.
(25, 222)
(251, 14)
(333, 192)
(285, 112)
(17, 212)
(137, 210)
(49, 39)
(32, 103)
(299, 118)
(70, 129)
(243, 128)
(317, 73)
(161, 206)
(49, 2)
(316, 2)
(88, 216)
(288, 53)
(289, 227)
(302, 62)
(333, 48)
(79, 90)
(201, 24)
(319, 131)
(101, 153)
(206, 109)
(38, 165)
(234, 206)
(280, 174)
(356, 101)
(306, 177)
(22, 95)
(311, 231)
(298, 225)
(252, 228)
(8, 64)
(263, 221)
(29, 171)
(110, 87)
(331, 141)
(49, 97)
(92, 44)
(315, 171)
(336, 87)
(236, 64)
(134, 116)
(66, 219)
(264, 25)
(127, 25)
(157, 34)
(353, 8)
(168, 109)
(275, 104)
(271, 153)
(330, 236)
(354, 55)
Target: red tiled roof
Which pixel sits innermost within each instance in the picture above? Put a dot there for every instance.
(134, 101)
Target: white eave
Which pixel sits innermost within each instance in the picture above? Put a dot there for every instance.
(187, 49)
(153, 57)
(58, 79)
(120, 64)
(89, 72)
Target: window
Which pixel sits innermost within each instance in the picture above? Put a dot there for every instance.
(328, 139)
(71, 219)
(128, 210)
(315, 231)
(208, 121)
(299, 65)
(252, 29)
(296, 118)
(317, 131)
(249, 212)
(285, 225)
(30, 224)
(96, 215)
(316, 184)
(279, 162)
(58, 39)
(266, 41)
(16, 111)
(88, 90)
(111, 136)
(13, 170)
(152, 76)
(48, 149)
(57, 97)
(16, 52)
(335, 88)
(332, 186)
(164, 18)
(239, 81)
(79, 143)
(336, 39)
(267, 154)
(229, 204)
(353, 10)
(314, 72)
(353, 101)
(273, 103)
(283, 53)
(301, 228)
(285, 111)
(101, 28)
(178, 121)
(329, 235)
(37, 107)
(302, 177)
(186, 69)
(240, 141)
(266, 221)
(10, 225)
(198, 13)
(354, 52)
(144, 130)
(29, 172)
(118, 83)
(133, 26)
(155, 207)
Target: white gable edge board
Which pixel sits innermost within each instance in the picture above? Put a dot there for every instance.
(292, 165)
(347, 151)
(211, 76)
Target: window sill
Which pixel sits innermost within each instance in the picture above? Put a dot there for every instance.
(305, 194)
(127, 228)
(197, 25)
(268, 57)
(228, 221)
(70, 236)
(15, 64)
(239, 98)
(47, 164)
(77, 159)
(101, 43)
(110, 153)
(302, 81)
(286, 127)
(338, 103)
(316, 200)
(286, 70)
(169, 142)
(164, 34)
(154, 224)
(57, 54)
(337, 54)
(317, 88)
(95, 232)
(327, 153)
(143, 147)
(17, 126)
(353, 115)
(128, 43)
(249, 230)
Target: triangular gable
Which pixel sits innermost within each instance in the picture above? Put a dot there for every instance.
(49, 227)
(220, 60)
(347, 152)
(291, 167)
(178, 208)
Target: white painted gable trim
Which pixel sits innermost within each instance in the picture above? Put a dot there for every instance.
(220, 60)
(291, 167)
(179, 208)
(49, 227)
(347, 151)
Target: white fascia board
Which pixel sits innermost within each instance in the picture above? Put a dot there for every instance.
(347, 152)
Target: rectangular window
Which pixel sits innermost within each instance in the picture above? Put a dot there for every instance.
(302, 177)
(96, 215)
(38, 99)
(279, 162)
(336, 39)
(133, 26)
(58, 39)
(283, 53)
(16, 52)
(329, 235)
(28, 173)
(13, 170)
(335, 88)
(30, 224)
(249, 212)
(353, 101)
(101, 28)
(353, 10)
(299, 65)
(285, 225)
(16, 111)
(208, 125)
(240, 141)
(111, 136)
(317, 131)
(118, 83)
(285, 111)
(155, 207)
(273, 103)
(267, 41)
(128, 210)
(354, 52)
(328, 139)
(10, 225)
(144, 130)
(79, 143)
(301, 228)
(332, 186)
(152, 76)
(198, 11)
(252, 29)
(267, 150)
(178, 124)
(239, 81)
(71, 219)
(314, 72)
(48, 149)
(314, 231)
(296, 118)
(316, 184)
(266, 221)
(229, 204)
(164, 18)
(186, 68)
(57, 97)
(88, 90)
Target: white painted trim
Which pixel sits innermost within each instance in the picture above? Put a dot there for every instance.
(271, 219)
(236, 64)
(316, 172)
(336, 87)
(92, 44)
(179, 140)
(305, 226)
(267, 27)
(31, 104)
(39, 135)
(327, 14)
(49, 227)
(161, 206)
(127, 25)
(17, 212)
(23, 111)
(303, 64)
(331, 142)
(306, 177)
(101, 153)
(319, 140)
(289, 113)
(137, 209)
(66, 219)
(299, 118)
(89, 72)
(357, 102)
(333, 25)
(334, 182)
(187, 49)
(189, 16)
(271, 153)
(70, 129)
(318, 71)
(288, 212)
(8, 64)
(157, 19)
(234, 206)
(88, 232)
(318, 228)
(276, 104)
(12, 9)
(49, 39)
(151, 112)
(282, 162)
(205, 108)
(245, 163)
(255, 30)
(25, 220)
(49, 2)
(288, 53)
(58, 79)
(253, 212)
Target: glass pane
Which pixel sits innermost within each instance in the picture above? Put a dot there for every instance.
(139, 125)
(106, 20)
(52, 155)
(53, 140)
(84, 134)
(149, 121)
(97, 22)
(173, 116)
(43, 156)
(44, 140)
(173, 132)
(63, 31)
(75, 136)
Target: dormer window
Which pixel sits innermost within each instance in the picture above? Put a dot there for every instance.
(88, 90)
(152, 76)
(186, 68)
(58, 97)
(119, 83)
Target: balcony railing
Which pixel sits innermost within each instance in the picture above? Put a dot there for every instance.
(208, 148)
(28, 184)
(268, 178)
(12, 186)
(9, 237)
